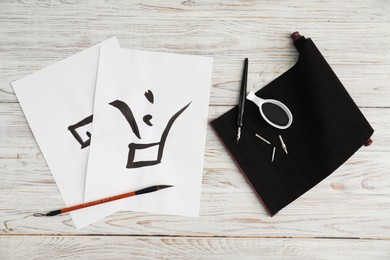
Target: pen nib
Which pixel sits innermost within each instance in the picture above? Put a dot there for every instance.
(238, 134)
(283, 144)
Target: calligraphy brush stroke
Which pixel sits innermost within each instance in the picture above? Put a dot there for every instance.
(128, 114)
(167, 128)
(72, 129)
(149, 96)
(133, 146)
(147, 119)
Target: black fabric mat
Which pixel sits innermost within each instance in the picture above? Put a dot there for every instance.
(327, 129)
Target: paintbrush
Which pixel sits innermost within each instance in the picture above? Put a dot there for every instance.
(101, 201)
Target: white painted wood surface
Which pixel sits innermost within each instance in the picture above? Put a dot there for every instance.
(346, 216)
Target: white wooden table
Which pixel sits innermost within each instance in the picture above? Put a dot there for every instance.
(346, 216)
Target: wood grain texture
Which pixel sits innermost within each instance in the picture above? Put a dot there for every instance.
(346, 216)
(71, 247)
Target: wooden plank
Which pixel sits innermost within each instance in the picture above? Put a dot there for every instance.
(353, 202)
(322, 212)
(101, 247)
(365, 11)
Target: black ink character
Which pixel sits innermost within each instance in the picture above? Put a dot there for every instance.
(133, 147)
(128, 114)
(147, 119)
(149, 96)
(72, 129)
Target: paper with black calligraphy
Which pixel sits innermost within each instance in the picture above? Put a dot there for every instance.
(149, 128)
(58, 104)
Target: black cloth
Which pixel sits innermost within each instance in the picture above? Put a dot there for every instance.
(327, 129)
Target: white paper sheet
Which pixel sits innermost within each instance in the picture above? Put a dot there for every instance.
(53, 99)
(176, 82)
